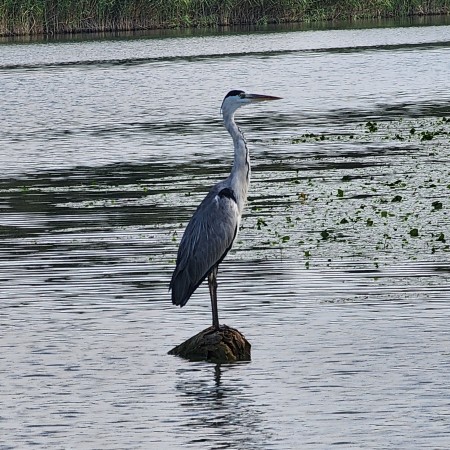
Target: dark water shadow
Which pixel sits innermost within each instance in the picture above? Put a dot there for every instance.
(113, 62)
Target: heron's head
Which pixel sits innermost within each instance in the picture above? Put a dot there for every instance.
(235, 99)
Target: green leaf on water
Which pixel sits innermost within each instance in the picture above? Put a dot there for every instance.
(371, 126)
(441, 237)
(397, 198)
(325, 234)
(340, 193)
(260, 222)
(427, 135)
(437, 205)
(414, 232)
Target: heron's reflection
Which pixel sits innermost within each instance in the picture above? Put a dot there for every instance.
(217, 374)
(219, 408)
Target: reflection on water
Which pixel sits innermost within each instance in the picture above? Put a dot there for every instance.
(218, 410)
(104, 158)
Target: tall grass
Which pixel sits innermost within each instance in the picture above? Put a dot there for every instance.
(71, 16)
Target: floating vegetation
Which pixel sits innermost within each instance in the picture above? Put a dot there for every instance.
(441, 237)
(371, 126)
(340, 209)
(437, 205)
(325, 234)
(370, 199)
(309, 137)
(260, 223)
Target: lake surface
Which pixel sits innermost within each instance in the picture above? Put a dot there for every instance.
(340, 277)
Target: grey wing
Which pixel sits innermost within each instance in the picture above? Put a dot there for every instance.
(206, 240)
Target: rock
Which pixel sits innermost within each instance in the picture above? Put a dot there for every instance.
(219, 346)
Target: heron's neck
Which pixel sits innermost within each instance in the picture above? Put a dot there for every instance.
(240, 173)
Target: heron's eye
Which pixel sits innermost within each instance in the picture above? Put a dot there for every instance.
(242, 95)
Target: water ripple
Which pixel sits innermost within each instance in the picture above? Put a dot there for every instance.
(339, 277)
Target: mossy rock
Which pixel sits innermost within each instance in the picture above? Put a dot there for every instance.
(225, 345)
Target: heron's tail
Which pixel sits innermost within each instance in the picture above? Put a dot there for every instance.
(181, 288)
(183, 285)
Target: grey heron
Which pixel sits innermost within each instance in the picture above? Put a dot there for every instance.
(212, 229)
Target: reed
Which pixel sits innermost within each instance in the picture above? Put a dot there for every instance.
(22, 17)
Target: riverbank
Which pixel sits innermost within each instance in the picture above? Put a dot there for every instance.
(50, 17)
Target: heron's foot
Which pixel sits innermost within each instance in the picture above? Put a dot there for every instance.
(217, 328)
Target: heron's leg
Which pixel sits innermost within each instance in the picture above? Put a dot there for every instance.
(212, 283)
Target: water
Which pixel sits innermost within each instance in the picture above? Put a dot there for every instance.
(107, 146)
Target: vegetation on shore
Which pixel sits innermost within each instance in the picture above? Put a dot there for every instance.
(23, 17)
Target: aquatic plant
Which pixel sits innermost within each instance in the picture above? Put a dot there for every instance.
(21, 17)
(374, 213)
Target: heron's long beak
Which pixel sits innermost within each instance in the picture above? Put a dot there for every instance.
(261, 97)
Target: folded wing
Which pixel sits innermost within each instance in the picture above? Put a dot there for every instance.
(206, 240)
